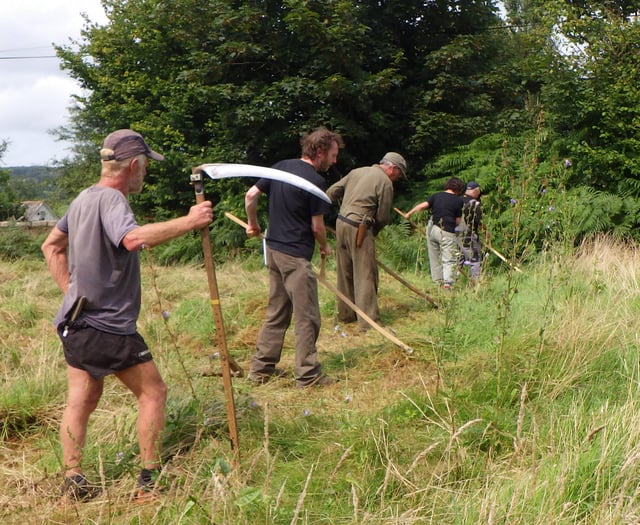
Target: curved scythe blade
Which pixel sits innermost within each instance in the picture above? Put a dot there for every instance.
(225, 171)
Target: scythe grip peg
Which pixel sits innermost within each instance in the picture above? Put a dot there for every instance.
(361, 234)
(197, 181)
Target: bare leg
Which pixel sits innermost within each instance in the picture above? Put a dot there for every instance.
(83, 395)
(146, 384)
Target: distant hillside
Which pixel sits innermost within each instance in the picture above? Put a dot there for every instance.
(33, 182)
(37, 173)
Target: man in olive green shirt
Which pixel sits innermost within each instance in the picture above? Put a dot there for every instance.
(366, 194)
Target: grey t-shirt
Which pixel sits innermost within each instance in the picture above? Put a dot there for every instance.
(100, 268)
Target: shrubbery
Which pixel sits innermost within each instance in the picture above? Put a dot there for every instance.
(17, 243)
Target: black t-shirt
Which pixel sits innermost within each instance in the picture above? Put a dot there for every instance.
(291, 209)
(445, 208)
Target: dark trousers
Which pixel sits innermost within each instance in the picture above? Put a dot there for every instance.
(471, 251)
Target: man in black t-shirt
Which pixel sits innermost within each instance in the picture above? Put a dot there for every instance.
(296, 223)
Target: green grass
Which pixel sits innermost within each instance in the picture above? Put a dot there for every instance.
(518, 406)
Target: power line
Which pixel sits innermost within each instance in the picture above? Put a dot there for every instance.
(13, 50)
(28, 58)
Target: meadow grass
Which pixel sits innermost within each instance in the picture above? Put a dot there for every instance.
(518, 406)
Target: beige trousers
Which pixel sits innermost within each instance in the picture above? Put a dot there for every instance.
(357, 274)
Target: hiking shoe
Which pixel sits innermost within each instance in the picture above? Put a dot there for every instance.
(321, 380)
(261, 379)
(146, 489)
(77, 488)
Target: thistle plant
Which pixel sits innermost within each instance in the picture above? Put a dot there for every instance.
(529, 214)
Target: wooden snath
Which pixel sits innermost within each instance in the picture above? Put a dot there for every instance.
(322, 280)
(227, 362)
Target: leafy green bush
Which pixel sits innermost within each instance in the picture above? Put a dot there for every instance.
(16, 243)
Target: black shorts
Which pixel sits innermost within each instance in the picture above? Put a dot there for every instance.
(101, 353)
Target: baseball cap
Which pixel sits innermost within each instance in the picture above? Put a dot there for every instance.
(125, 144)
(472, 185)
(397, 160)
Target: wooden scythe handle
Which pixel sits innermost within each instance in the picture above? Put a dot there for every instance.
(226, 361)
(343, 297)
(413, 224)
(503, 258)
(400, 279)
(380, 329)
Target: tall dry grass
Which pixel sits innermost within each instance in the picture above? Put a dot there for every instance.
(546, 433)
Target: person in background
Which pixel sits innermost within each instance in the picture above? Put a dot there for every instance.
(366, 194)
(93, 255)
(296, 224)
(468, 230)
(446, 213)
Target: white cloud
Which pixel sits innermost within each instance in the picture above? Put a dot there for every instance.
(34, 92)
(47, 98)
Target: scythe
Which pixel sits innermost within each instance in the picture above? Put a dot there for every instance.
(225, 171)
(222, 171)
(321, 278)
(399, 278)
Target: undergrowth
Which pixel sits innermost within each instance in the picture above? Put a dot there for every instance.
(528, 418)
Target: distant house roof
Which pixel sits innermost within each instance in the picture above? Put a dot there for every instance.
(38, 211)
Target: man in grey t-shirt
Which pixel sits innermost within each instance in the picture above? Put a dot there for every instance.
(92, 254)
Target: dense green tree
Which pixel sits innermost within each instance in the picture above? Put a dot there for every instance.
(10, 207)
(589, 90)
(606, 138)
(240, 81)
(571, 160)
(474, 83)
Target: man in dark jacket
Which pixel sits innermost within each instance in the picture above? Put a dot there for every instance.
(468, 231)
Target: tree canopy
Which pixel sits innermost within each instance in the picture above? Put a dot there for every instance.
(222, 80)
(240, 81)
(10, 206)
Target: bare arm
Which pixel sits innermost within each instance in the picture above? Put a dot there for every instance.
(418, 207)
(151, 235)
(54, 249)
(320, 234)
(251, 207)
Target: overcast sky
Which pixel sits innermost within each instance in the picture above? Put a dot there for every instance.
(34, 92)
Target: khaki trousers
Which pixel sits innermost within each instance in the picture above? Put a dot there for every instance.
(357, 274)
(293, 292)
(442, 247)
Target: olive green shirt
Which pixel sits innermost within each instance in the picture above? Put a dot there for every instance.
(366, 193)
